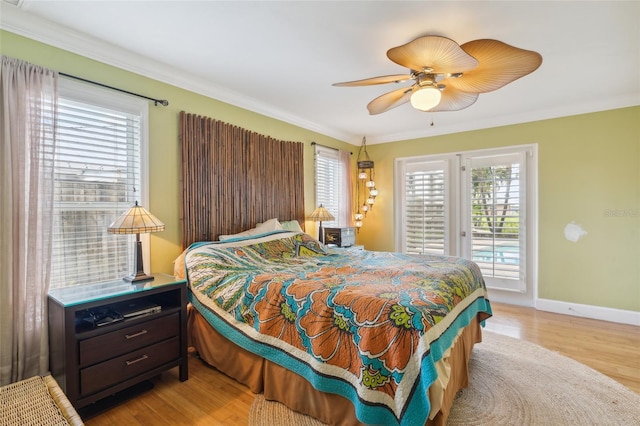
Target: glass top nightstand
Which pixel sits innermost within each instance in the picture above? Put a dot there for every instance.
(353, 247)
(70, 296)
(109, 337)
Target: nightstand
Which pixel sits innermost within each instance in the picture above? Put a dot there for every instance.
(93, 357)
(351, 248)
(342, 237)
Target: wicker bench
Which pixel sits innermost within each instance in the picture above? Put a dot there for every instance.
(36, 401)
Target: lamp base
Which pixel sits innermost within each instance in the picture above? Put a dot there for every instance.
(138, 278)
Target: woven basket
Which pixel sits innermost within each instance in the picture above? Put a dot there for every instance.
(36, 401)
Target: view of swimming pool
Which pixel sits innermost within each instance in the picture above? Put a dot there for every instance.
(506, 254)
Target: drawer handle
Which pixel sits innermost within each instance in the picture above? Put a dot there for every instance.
(131, 336)
(133, 361)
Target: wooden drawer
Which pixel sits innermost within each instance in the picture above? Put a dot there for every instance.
(123, 341)
(108, 373)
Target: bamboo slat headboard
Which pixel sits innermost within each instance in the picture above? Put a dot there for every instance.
(232, 178)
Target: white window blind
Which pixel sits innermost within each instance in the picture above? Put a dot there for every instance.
(497, 216)
(98, 176)
(330, 181)
(480, 205)
(425, 208)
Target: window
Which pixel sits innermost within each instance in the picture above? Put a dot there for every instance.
(332, 190)
(495, 217)
(98, 176)
(425, 208)
(477, 205)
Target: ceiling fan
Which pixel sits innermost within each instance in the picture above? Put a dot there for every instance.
(447, 76)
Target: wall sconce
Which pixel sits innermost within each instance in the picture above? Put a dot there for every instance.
(366, 191)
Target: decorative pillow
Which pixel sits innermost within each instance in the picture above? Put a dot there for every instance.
(291, 225)
(261, 228)
(306, 245)
(179, 271)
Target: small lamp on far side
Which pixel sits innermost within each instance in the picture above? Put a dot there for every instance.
(321, 214)
(137, 221)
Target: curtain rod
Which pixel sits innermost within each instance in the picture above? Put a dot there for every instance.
(162, 102)
(330, 147)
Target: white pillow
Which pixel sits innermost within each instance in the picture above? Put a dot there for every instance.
(291, 225)
(261, 228)
(269, 225)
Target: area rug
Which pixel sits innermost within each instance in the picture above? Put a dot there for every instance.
(513, 382)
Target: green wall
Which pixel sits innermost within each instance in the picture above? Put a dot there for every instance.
(589, 172)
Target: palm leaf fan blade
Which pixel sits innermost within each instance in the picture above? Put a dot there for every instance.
(397, 78)
(441, 54)
(390, 100)
(500, 64)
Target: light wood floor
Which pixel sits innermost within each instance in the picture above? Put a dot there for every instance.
(211, 398)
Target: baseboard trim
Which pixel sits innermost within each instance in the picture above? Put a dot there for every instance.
(589, 311)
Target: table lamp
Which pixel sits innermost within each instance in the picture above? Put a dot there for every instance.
(321, 214)
(137, 220)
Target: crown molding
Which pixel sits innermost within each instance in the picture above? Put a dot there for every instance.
(625, 101)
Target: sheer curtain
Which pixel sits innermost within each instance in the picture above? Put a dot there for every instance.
(28, 99)
(345, 162)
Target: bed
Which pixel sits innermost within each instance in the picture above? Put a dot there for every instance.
(347, 337)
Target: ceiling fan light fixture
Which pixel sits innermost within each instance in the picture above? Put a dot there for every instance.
(426, 98)
(447, 76)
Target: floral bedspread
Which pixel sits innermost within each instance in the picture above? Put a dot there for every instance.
(366, 325)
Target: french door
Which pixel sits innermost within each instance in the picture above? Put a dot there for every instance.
(478, 205)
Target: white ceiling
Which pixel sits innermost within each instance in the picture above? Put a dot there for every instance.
(280, 58)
